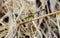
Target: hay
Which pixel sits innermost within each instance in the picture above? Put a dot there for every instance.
(30, 19)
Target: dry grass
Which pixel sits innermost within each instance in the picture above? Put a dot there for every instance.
(28, 19)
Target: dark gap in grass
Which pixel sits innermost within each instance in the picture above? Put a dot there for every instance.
(38, 3)
(58, 0)
(57, 33)
(27, 36)
(46, 29)
(0, 24)
(43, 36)
(23, 23)
(16, 15)
(48, 3)
(1, 14)
(46, 9)
(6, 19)
(3, 37)
(42, 25)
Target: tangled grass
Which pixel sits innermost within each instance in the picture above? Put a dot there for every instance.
(30, 19)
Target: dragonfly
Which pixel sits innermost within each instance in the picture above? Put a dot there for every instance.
(31, 15)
